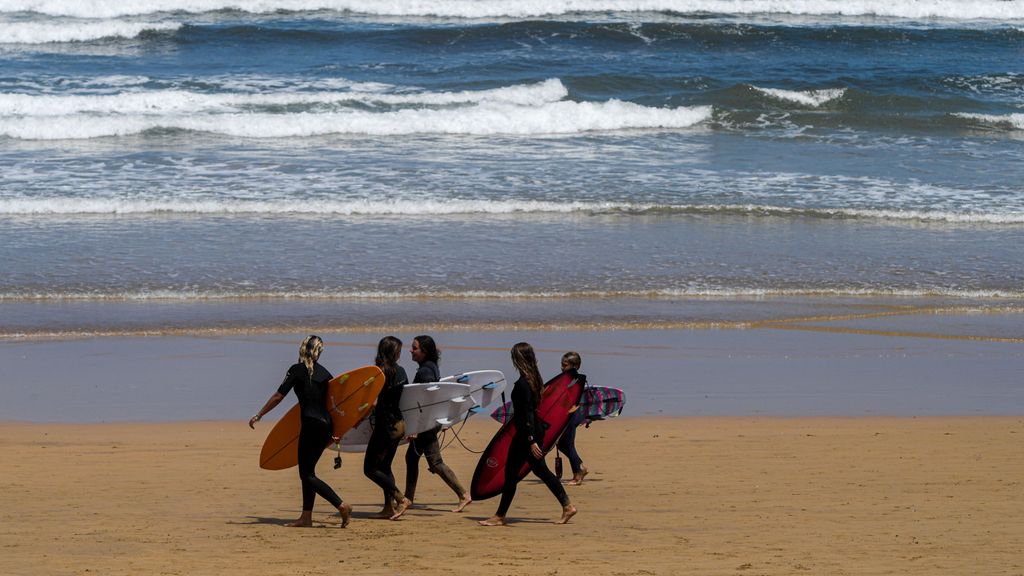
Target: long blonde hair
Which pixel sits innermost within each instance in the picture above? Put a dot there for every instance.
(525, 361)
(309, 352)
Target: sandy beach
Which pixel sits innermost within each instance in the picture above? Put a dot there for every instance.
(818, 448)
(665, 496)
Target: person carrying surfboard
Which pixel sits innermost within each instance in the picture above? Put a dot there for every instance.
(567, 443)
(309, 381)
(526, 394)
(424, 352)
(388, 429)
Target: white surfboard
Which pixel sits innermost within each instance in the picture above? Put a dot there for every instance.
(444, 404)
(486, 385)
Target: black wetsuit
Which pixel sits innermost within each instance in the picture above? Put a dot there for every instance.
(524, 406)
(426, 444)
(567, 443)
(388, 430)
(315, 431)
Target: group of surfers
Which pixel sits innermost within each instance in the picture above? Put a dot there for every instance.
(308, 379)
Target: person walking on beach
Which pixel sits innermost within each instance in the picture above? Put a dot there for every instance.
(425, 353)
(571, 362)
(524, 447)
(388, 429)
(309, 380)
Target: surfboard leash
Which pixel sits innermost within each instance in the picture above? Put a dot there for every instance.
(455, 434)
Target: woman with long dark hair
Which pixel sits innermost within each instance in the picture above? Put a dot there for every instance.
(525, 445)
(309, 380)
(388, 429)
(425, 353)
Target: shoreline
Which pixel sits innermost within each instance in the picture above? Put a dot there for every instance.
(665, 496)
(993, 319)
(831, 368)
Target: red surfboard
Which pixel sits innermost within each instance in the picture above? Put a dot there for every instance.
(560, 396)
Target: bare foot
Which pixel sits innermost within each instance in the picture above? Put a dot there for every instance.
(346, 514)
(463, 502)
(304, 521)
(402, 507)
(578, 477)
(493, 521)
(384, 514)
(567, 513)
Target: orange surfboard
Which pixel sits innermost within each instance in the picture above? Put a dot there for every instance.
(350, 397)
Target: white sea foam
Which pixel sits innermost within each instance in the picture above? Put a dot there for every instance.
(914, 9)
(65, 85)
(655, 293)
(428, 207)
(159, 102)
(814, 98)
(338, 207)
(486, 118)
(53, 32)
(1012, 121)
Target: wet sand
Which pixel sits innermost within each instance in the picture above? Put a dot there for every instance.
(889, 365)
(867, 445)
(665, 496)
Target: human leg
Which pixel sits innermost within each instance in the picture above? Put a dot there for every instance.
(540, 469)
(431, 449)
(313, 437)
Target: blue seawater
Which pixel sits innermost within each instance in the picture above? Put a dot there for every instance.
(216, 164)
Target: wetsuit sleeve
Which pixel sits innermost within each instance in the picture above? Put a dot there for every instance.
(288, 383)
(523, 412)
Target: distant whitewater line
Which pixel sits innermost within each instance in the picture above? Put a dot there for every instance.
(157, 102)
(428, 207)
(952, 9)
(43, 83)
(1012, 121)
(193, 295)
(813, 98)
(483, 119)
(47, 33)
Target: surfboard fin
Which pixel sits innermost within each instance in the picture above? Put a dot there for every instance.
(369, 381)
(476, 409)
(458, 399)
(364, 406)
(462, 379)
(445, 421)
(490, 386)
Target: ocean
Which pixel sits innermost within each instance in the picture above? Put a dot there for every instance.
(178, 166)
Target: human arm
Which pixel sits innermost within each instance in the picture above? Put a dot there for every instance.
(272, 403)
(286, 386)
(525, 416)
(536, 451)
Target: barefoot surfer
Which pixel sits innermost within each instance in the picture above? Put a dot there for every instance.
(309, 380)
(425, 353)
(388, 429)
(525, 446)
(571, 361)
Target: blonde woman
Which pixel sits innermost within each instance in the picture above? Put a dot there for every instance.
(309, 380)
(525, 446)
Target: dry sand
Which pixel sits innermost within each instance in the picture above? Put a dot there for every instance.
(666, 496)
